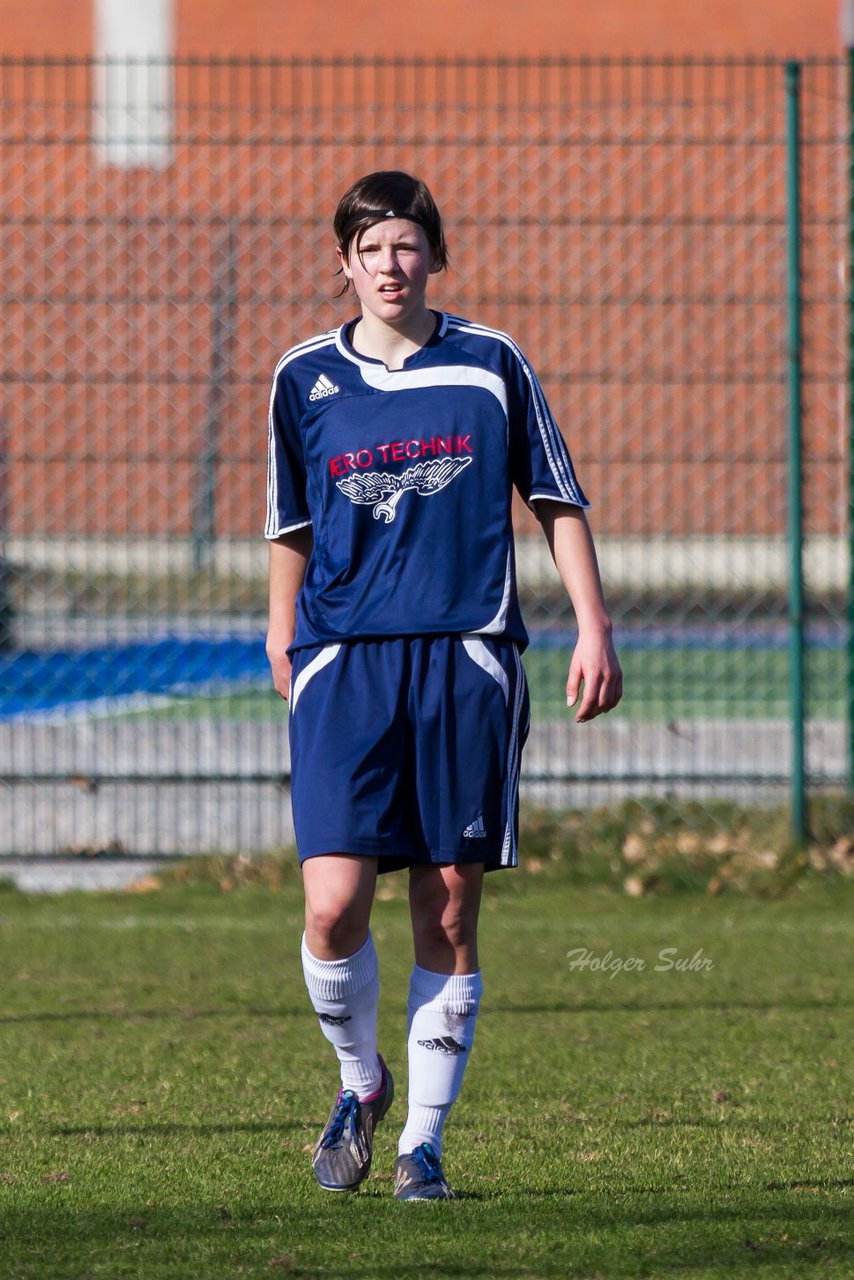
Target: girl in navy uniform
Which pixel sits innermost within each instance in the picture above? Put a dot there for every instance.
(395, 442)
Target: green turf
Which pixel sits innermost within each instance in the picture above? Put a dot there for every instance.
(161, 1077)
(660, 685)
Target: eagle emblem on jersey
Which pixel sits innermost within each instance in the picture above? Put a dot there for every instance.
(382, 491)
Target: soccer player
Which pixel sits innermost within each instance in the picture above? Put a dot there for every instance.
(395, 633)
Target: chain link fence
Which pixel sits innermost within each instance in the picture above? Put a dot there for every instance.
(166, 235)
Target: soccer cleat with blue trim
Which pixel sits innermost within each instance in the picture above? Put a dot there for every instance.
(343, 1152)
(419, 1176)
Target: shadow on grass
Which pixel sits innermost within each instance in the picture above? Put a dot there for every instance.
(669, 1189)
(668, 1006)
(189, 1014)
(812, 1184)
(186, 1014)
(171, 1129)
(548, 1233)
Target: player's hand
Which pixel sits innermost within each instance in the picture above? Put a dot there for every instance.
(280, 666)
(594, 668)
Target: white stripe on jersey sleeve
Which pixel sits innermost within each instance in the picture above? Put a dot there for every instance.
(302, 348)
(288, 528)
(272, 529)
(553, 442)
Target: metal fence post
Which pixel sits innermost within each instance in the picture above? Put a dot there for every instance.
(223, 304)
(795, 449)
(6, 608)
(850, 310)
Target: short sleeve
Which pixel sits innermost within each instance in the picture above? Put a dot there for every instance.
(540, 464)
(287, 507)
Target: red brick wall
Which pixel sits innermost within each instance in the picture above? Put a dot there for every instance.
(508, 27)
(453, 27)
(37, 27)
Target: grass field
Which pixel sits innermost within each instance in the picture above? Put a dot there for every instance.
(660, 685)
(161, 1078)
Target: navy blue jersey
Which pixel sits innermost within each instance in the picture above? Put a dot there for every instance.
(407, 480)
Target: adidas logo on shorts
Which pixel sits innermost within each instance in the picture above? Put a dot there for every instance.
(475, 830)
(323, 388)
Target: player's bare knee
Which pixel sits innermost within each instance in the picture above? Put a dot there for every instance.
(452, 928)
(333, 927)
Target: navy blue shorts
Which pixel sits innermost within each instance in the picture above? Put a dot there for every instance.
(408, 750)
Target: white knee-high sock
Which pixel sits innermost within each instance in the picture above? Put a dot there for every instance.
(345, 994)
(442, 1014)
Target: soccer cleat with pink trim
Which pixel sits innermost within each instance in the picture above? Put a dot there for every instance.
(343, 1152)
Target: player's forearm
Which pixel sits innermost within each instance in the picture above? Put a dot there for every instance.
(288, 560)
(571, 544)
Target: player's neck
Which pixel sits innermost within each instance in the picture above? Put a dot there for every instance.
(389, 343)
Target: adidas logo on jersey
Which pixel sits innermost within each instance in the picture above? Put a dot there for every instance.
(323, 388)
(475, 830)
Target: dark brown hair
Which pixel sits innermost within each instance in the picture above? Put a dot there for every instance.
(390, 193)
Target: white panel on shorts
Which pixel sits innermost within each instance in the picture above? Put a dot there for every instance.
(479, 654)
(318, 662)
(509, 851)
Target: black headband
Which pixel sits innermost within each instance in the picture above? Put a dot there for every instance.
(371, 216)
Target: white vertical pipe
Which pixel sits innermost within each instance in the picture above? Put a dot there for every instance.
(134, 45)
(846, 23)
